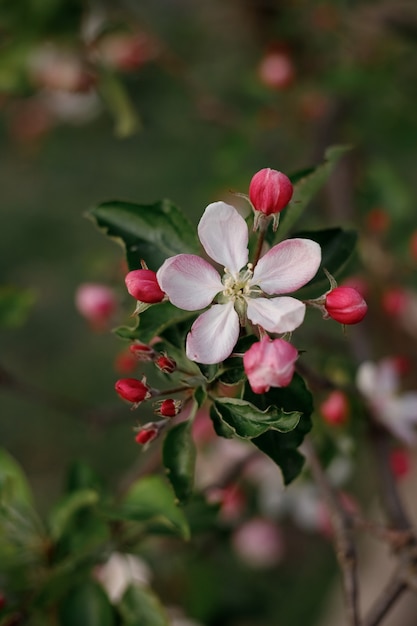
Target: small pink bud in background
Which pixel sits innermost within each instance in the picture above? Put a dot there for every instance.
(399, 460)
(335, 409)
(125, 362)
(168, 408)
(345, 305)
(269, 363)
(270, 191)
(126, 51)
(97, 303)
(259, 543)
(143, 285)
(395, 301)
(147, 434)
(232, 501)
(165, 364)
(133, 390)
(378, 221)
(276, 70)
(141, 351)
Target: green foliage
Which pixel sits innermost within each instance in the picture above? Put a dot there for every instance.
(179, 456)
(149, 232)
(15, 306)
(282, 447)
(87, 602)
(140, 606)
(154, 321)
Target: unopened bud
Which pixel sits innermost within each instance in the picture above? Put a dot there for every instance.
(168, 408)
(270, 191)
(147, 434)
(133, 390)
(143, 285)
(269, 363)
(166, 364)
(345, 305)
(96, 302)
(141, 351)
(335, 409)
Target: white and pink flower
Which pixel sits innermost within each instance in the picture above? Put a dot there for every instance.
(243, 292)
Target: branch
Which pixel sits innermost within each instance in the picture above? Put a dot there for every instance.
(341, 523)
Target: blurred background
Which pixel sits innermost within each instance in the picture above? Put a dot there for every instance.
(187, 100)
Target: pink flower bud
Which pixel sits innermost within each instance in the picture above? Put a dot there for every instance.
(95, 302)
(259, 543)
(133, 390)
(165, 364)
(269, 363)
(270, 191)
(335, 410)
(141, 351)
(276, 70)
(143, 285)
(395, 301)
(168, 408)
(147, 434)
(345, 305)
(125, 362)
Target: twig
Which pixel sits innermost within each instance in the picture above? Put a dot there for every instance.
(387, 598)
(345, 548)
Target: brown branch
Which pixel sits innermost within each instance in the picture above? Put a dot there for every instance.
(342, 527)
(387, 598)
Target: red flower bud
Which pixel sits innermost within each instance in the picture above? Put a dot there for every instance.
(269, 363)
(400, 463)
(125, 363)
(168, 408)
(133, 390)
(165, 364)
(146, 434)
(335, 410)
(143, 285)
(345, 305)
(270, 191)
(141, 351)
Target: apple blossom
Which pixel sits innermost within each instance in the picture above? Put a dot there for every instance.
(379, 384)
(269, 363)
(191, 283)
(168, 407)
(147, 434)
(270, 191)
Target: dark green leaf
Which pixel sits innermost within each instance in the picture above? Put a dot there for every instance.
(14, 486)
(154, 321)
(139, 606)
(179, 456)
(247, 421)
(307, 186)
(282, 447)
(65, 511)
(232, 370)
(152, 500)
(150, 232)
(87, 604)
(337, 246)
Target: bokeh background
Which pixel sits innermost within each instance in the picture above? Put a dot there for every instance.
(215, 91)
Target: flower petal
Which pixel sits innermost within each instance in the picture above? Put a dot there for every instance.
(224, 236)
(189, 281)
(213, 335)
(279, 315)
(287, 266)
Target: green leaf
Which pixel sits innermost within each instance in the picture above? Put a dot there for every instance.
(139, 606)
(65, 511)
(247, 421)
(306, 186)
(282, 447)
(15, 306)
(14, 486)
(337, 246)
(151, 232)
(179, 456)
(117, 99)
(152, 500)
(232, 370)
(88, 604)
(154, 321)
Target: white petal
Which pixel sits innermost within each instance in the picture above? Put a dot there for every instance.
(400, 417)
(278, 315)
(287, 266)
(224, 236)
(213, 335)
(189, 281)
